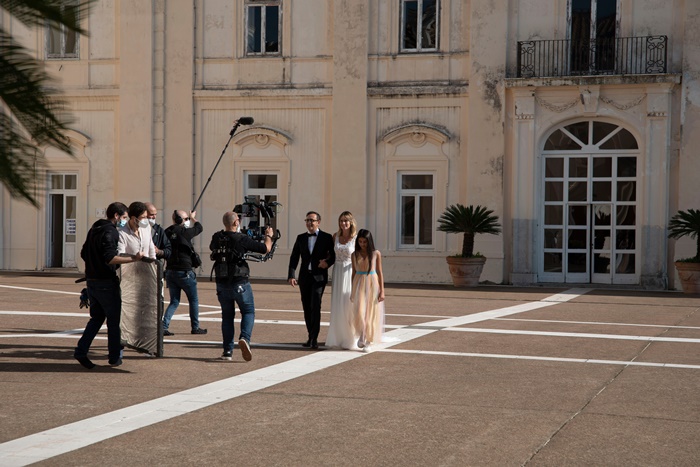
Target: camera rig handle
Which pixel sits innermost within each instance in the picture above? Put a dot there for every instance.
(260, 258)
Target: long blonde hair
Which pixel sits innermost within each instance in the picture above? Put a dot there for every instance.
(353, 224)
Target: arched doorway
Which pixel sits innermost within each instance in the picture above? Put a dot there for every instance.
(588, 227)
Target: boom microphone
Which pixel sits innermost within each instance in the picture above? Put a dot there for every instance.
(239, 122)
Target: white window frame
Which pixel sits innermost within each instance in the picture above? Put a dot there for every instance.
(419, 29)
(417, 194)
(62, 34)
(262, 4)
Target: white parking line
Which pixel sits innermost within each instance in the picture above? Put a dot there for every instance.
(578, 334)
(546, 359)
(596, 323)
(50, 443)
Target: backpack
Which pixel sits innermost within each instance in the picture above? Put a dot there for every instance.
(225, 256)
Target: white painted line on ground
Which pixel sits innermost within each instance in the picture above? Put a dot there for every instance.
(39, 290)
(577, 334)
(597, 323)
(547, 359)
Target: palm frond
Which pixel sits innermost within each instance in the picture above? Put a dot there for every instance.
(686, 223)
(30, 110)
(37, 12)
(23, 89)
(468, 220)
(18, 162)
(472, 219)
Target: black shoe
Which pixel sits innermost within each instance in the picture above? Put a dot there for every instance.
(168, 333)
(314, 344)
(199, 331)
(307, 343)
(86, 362)
(227, 355)
(117, 363)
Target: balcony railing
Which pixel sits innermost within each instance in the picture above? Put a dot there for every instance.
(618, 56)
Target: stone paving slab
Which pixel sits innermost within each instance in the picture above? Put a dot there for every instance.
(445, 397)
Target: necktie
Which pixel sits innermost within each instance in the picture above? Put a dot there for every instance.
(311, 234)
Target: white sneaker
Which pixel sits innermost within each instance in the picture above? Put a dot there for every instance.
(367, 348)
(245, 350)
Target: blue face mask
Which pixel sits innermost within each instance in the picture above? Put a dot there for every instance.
(121, 222)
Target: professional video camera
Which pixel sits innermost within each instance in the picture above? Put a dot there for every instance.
(259, 213)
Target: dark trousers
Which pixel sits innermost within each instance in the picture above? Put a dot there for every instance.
(105, 304)
(311, 294)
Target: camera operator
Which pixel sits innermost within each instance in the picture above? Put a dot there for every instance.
(228, 248)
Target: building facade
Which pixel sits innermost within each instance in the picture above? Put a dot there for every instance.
(576, 121)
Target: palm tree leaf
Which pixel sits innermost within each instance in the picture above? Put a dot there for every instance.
(23, 90)
(685, 223)
(472, 219)
(37, 12)
(18, 162)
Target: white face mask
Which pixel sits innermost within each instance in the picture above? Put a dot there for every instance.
(152, 222)
(187, 224)
(143, 223)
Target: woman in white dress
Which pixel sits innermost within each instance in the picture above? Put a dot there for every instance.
(341, 330)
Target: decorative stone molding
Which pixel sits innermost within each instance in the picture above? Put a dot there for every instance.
(524, 106)
(417, 135)
(556, 107)
(590, 96)
(262, 138)
(619, 106)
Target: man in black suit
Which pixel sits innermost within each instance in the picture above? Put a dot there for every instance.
(316, 251)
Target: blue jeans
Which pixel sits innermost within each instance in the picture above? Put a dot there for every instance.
(228, 295)
(177, 282)
(105, 303)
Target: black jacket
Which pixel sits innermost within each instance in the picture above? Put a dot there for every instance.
(161, 241)
(181, 255)
(98, 250)
(323, 249)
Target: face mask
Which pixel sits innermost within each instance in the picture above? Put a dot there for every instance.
(143, 223)
(121, 222)
(187, 224)
(152, 222)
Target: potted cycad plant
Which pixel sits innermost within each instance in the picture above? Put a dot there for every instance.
(687, 223)
(466, 267)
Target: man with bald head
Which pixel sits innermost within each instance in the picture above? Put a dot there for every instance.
(178, 273)
(160, 240)
(228, 248)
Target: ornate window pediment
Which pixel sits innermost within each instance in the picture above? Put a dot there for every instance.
(416, 140)
(262, 142)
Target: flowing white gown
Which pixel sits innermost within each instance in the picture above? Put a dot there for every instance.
(341, 331)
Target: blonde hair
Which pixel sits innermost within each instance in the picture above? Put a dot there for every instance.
(353, 224)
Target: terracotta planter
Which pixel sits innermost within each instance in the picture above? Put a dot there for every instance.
(465, 272)
(689, 273)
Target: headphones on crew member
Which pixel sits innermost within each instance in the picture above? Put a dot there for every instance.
(177, 218)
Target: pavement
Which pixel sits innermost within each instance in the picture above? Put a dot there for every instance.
(493, 375)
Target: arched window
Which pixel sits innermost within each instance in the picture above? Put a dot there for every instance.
(589, 208)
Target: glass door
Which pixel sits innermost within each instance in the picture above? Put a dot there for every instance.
(589, 228)
(62, 221)
(592, 30)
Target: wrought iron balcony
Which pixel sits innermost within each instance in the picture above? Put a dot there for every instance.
(617, 56)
